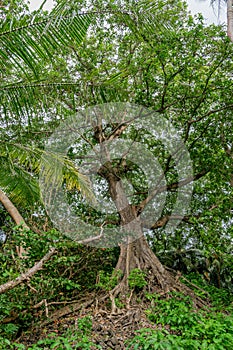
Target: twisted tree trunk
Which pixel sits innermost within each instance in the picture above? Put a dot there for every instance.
(137, 254)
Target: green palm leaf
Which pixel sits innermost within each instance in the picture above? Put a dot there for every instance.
(19, 183)
(29, 41)
(26, 45)
(21, 165)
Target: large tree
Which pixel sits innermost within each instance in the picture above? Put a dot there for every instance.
(151, 55)
(157, 57)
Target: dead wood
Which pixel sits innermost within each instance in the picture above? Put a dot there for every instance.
(69, 309)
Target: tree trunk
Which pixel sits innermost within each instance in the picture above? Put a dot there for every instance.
(159, 280)
(16, 216)
(230, 19)
(137, 254)
(12, 210)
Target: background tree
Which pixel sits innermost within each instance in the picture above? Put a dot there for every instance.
(230, 19)
(229, 15)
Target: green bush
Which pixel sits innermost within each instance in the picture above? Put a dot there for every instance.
(74, 338)
(188, 328)
(137, 279)
(149, 339)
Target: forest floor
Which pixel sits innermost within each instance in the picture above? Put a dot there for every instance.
(90, 324)
(108, 331)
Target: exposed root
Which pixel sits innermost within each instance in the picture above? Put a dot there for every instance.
(158, 279)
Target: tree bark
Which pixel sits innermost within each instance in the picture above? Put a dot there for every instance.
(136, 253)
(230, 19)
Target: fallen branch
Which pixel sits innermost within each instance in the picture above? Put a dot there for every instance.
(66, 310)
(28, 274)
(91, 239)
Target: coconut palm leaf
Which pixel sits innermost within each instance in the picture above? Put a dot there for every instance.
(21, 165)
(18, 183)
(24, 43)
(27, 105)
(25, 46)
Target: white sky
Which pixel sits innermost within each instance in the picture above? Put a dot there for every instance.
(203, 6)
(209, 13)
(35, 4)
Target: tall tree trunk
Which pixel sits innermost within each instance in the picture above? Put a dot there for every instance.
(230, 19)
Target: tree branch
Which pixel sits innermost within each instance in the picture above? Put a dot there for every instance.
(170, 187)
(212, 111)
(162, 222)
(28, 274)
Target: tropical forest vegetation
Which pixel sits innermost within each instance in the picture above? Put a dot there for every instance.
(116, 177)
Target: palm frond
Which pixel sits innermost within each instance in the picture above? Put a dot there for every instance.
(21, 165)
(24, 103)
(24, 45)
(21, 185)
(30, 40)
(56, 169)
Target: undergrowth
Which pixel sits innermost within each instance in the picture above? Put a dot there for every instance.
(183, 327)
(75, 270)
